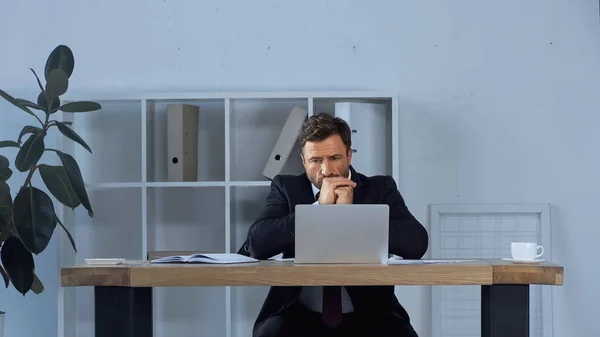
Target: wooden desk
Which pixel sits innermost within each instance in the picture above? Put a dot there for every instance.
(123, 293)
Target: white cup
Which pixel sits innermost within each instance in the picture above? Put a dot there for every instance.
(526, 251)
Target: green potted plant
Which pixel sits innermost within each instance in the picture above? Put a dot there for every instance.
(27, 214)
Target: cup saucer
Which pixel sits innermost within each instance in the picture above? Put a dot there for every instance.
(522, 261)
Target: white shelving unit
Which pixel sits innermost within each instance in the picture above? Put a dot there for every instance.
(137, 210)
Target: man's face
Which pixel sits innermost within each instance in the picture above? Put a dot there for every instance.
(327, 158)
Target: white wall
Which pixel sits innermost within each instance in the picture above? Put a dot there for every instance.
(498, 99)
(23, 311)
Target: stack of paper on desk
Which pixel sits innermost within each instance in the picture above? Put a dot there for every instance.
(219, 258)
(394, 260)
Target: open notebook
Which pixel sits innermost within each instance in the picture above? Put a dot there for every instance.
(218, 258)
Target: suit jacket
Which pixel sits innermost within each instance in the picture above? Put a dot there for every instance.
(273, 233)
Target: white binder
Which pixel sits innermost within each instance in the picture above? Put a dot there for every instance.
(182, 139)
(285, 143)
(367, 122)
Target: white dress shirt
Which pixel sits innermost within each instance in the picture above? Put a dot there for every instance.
(312, 297)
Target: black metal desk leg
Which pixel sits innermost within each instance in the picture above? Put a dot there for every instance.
(123, 312)
(505, 310)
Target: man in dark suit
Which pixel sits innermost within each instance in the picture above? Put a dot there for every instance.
(369, 311)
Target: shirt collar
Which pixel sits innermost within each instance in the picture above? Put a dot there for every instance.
(315, 190)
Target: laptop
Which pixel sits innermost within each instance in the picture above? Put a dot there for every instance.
(353, 233)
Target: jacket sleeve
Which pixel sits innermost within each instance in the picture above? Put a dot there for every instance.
(273, 231)
(408, 238)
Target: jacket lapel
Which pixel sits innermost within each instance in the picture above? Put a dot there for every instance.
(305, 193)
(359, 192)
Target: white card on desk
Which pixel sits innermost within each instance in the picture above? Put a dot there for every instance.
(281, 259)
(104, 261)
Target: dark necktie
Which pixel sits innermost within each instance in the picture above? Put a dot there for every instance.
(332, 305)
(332, 301)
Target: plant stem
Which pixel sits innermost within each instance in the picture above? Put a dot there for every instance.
(45, 127)
(29, 176)
(39, 120)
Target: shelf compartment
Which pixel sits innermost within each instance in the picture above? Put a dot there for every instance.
(255, 125)
(114, 136)
(211, 139)
(186, 218)
(374, 160)
(114, 231)
(246, 203)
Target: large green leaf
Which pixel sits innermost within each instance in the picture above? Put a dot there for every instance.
(7, 97)
(71, 134)
(28, 129)
(5, 276)
(60, 58)
(42, 101)
(5, 205)
(81, 106)
(57, 182)
(34, 217)
(76, 180)
(68, 234)
(30, 152)
(8, 143)
(38, 79)
(58, 83)
(5, 197)
(5, 173)
(37, 287)
(18, 263)
(26, 103)
(53, 122)
(12, 100)
(4, 162)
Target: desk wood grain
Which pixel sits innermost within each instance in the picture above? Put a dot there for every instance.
(506, 272)
(277, 273)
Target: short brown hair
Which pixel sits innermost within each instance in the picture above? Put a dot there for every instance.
(320, 126)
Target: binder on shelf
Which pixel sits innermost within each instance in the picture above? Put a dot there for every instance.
(368, 124)
(182, 140)
(285, 142)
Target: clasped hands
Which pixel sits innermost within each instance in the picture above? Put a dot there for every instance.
(336, 190)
